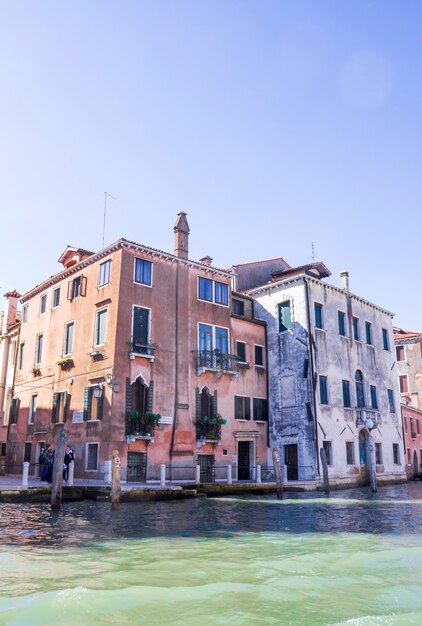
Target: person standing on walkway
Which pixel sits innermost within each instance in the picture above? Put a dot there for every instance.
(50, 458)
(43, 460)
(69, 456)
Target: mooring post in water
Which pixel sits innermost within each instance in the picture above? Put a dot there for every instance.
(258, 474)
(25, 474)
(372, 462)
(162, 475)
(107, 473)
(71, 474)
(115, 481)
(324, 464)
(198, 474)
(278, 473)
(56, 488)
(229, 474)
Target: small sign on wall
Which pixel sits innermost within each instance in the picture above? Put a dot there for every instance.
(166, 419)
(78, 417)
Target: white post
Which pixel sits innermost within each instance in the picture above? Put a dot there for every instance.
(258, 474)
(107, 476)
(71, 473)
(285, 473)
(162, 475)
(25, 474)
(197, 474)
(229, 474)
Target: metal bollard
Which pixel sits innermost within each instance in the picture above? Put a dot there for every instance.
(258, 474)
(71, 474)
(229, 474)
(197, 474)
(25, 474)
(162, 475)
(107, 475)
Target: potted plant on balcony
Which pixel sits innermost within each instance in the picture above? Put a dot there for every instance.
(65, 363)
(36, 371)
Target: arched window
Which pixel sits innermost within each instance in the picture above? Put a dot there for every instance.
(360, 391)
(139, 396)
(205, 402)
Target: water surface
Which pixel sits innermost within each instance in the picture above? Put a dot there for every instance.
(353, 558)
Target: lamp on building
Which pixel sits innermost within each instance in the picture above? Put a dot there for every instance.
(98, 391)
(109, 379)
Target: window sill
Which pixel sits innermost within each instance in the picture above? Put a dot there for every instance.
(261, 421)
(133, 355)
(321, 330)
(260, 367)
(90, 421)
(371, 345)
(135, 282)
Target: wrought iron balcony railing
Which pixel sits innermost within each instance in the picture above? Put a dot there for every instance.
(367, 417)
(215, 360)
(138, 425)
(143, 348)
(208, 429)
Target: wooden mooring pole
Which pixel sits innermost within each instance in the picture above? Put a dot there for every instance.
(56, 487)
(115, 481)
(323, 456)
(278, 473)
(372, 462)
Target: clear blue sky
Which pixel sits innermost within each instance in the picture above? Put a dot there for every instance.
(273, 124)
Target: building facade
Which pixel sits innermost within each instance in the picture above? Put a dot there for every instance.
(412, 428)
(146, 352)
(332, 380)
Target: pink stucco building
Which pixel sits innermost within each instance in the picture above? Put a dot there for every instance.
(120, 336)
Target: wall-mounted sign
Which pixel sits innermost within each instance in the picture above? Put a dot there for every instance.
(78, 417)
(166, 419)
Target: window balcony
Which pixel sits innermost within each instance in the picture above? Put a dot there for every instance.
(215, 361)
(140, 425)
(367, 417)
(146, 350)
(208, 430)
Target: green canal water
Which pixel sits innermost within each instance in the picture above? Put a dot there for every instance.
(354, 558)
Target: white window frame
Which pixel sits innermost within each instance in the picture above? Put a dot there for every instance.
(245, 344)
(25, 309)
(407, 378)
(147, 308)
(87, 444)
(322, 327)
(213, 329)
(38, 361)
(359, 328)
(354, 453)
(258, 345)
(107, 261)
(97, 313)
(43, 297)
(212, 301)
(64, 337)
(135, 282)
(32, 412)
(55, 306)
(371, 332)
(21, 356)
(404, 353)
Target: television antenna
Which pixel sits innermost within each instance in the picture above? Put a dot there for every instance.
(106, 195)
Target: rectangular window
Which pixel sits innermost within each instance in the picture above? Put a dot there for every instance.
(405, 423)
(104, 273)
(284, 316)
(378, 454)
(143, 272)
(260, 409)
(356, 329)
(32, 409)
(259, 355)
(385, 341)
(400, 353)
(391, 402)
(374, 399)
(43, 303)
(205, 289)
(56, 298)
(141, 330)
(350, 453)
(242, 408)
(319, 319)
(100, 327)
(3, 449)
(408, 456)
(417, 427)
(238, 307)
(21, 356)
(68, 338)
(328, 451)
(368, 333)
(91, 457)
(38, 349)
(221, 293)
(25, 314)
(76, 288)
(60, 405)
(241, 351)
(404, 384)
(341, 323)
(346, 394)
(93, 402)
(323, 389)
(14, 411)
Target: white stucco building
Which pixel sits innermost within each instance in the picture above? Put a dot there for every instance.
(332, 377)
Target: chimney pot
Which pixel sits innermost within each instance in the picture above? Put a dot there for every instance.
(206, 260)
(181, 236)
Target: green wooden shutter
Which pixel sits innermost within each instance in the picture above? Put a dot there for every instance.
(87, 404)
(129, 395)
(197, 404)
(100, 405)
(66, 403)
(213, 401)
(54, 416)
(83, 285)
(150, 396)
(247, 408)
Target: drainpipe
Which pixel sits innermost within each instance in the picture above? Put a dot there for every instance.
(311, 355)
(268, 386)
(176, 360)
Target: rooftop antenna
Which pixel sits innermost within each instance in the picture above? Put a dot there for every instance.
(105, 211)
(313, 252)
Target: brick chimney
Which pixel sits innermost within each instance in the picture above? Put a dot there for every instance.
(10, 309)
(206, 260)
(344, 280)
(181, 236)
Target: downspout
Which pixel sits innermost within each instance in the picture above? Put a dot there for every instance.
(176, 361)
(311, 355)
(268, 387)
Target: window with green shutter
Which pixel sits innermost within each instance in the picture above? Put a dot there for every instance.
(284, 316)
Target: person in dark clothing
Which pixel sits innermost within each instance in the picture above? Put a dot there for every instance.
(50, 458)
(69, 456)
(43, 460)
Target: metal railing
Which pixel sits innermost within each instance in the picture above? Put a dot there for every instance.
(208, 429)
(139, 426)
(143, 348)
(215, 360)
